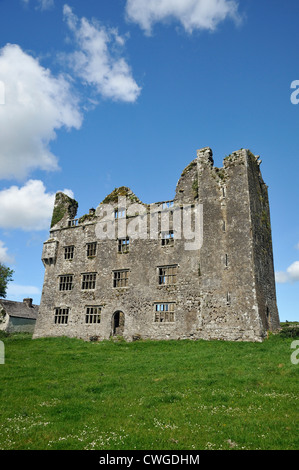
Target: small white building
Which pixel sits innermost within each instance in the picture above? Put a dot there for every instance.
(18, 317)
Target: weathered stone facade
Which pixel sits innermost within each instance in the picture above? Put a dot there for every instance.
(154, 286)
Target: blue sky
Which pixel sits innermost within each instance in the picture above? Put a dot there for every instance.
(100, 94)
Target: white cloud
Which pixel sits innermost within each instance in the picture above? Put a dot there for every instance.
(18, 292)
(28, 207)
(290, 275)
(96, 62)
(4, 256)
(42, 4)
(36, 105)
(293, 271)
(192, 14)
(46, 4)
(281, 277)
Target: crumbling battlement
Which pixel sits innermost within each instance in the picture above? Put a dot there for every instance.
(65, 208)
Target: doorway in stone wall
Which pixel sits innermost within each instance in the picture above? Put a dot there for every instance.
(118, 323)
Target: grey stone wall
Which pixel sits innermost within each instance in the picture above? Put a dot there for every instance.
(20, 325)
(225, 289)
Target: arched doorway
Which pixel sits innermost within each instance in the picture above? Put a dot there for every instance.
(118, 323)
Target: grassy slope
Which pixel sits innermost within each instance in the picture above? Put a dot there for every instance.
(61, 393)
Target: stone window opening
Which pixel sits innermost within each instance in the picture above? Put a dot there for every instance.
(167, 238)
(91, 249)
(93, 315)
(123, 245)
(167, 204)
(88, 281)
(66, 282)
(223, 191)
(164, 313)
(228, 298)
(120, 213)
(167, 275)
(61, 316)
(69, 252)
(226, 260)
(121, 278)
(72, 222)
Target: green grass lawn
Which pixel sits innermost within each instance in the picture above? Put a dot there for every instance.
(61, 393)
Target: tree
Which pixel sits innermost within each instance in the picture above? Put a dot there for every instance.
(5, 277)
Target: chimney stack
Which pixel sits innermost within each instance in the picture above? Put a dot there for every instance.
(28, 302)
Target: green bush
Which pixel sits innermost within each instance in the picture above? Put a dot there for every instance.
(290, 332)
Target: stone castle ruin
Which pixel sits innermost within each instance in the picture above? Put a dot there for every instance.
(199, 266)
